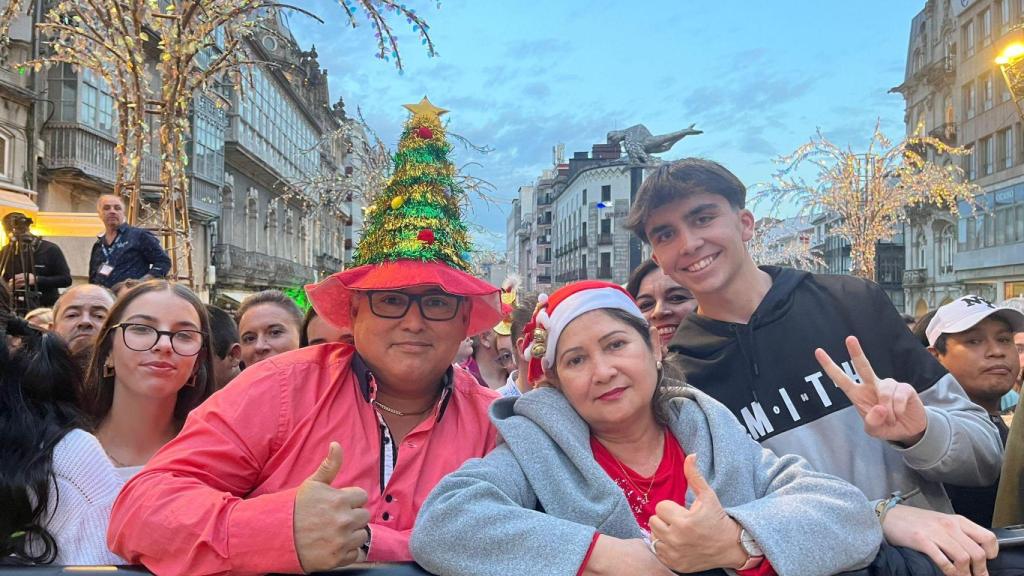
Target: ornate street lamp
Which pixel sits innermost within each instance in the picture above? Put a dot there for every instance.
(1011, 63)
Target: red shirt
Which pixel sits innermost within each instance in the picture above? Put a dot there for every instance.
(644, 493)
(220, 497)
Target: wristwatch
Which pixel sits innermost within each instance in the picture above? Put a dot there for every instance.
(754, 553)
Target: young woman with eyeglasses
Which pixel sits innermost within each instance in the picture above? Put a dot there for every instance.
(152, 365)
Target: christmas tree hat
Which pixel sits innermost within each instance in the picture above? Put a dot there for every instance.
(413, 234)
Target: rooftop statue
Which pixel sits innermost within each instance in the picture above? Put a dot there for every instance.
(639, 143)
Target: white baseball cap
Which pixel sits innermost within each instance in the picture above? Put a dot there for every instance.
(966, 311)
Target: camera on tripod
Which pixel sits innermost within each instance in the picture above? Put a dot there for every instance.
(19, 258)
(18, 227)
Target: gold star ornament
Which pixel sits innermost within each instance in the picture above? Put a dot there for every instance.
(425, 107)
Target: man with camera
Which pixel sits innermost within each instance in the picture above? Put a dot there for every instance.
(32, 268)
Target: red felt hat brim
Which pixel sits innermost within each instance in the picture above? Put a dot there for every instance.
(332, 296)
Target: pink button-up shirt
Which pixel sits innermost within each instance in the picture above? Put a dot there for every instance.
(220, 497)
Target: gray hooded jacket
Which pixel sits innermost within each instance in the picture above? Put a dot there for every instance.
(484, 518)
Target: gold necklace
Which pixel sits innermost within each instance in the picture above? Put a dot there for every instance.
(645, 494)
(400, 413)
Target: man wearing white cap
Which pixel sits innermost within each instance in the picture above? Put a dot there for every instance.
(973, 339)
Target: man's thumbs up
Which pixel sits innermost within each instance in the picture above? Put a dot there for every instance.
(330, 523)
(329, 468)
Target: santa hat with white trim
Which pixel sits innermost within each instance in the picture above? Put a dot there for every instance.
(556, 311)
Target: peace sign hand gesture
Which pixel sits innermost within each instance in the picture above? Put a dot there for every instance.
(891, 410)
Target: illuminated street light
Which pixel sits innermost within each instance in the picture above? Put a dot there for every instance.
(1011, 63)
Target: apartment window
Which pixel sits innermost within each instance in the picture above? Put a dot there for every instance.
(1004, 17)
(971, 163)
(968, 35)
(606, 193)
(5, 153)
(606, 226)
(946, 248)
(584, 196)
(1004, 92)
(62, 85)
(1006, 139)
(969, 100)
(97, 106)
(922, 249)
(987, 156)
(987, 92)
(986, 27)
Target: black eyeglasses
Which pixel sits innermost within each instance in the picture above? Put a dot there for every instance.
(392, 305)
(141, 337)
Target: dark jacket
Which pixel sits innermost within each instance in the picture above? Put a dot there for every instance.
(766, 374)
(50, 268)
(134, 253)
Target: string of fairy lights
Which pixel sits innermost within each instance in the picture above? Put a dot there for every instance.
(871, 192)
(196, 47)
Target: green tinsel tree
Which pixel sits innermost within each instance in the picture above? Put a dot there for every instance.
(417, 216)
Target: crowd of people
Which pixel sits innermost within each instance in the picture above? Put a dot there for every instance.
(710, 415)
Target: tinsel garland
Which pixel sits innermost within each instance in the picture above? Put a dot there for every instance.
(417, 217)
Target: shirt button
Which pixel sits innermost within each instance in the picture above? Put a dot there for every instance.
(388, 498)
(385, 516)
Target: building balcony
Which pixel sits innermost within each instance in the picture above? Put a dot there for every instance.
(544, 220)
(946, 133)
(238, 267)
(543, 241)
(604, 238)
(604, 273)
(544, 200)
(544, 260)
(73, 146)
(916, 277)
(941, 73)
(329, 263)
(545, 279)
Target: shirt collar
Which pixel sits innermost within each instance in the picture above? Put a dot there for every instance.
(120, 229)
(364, 377)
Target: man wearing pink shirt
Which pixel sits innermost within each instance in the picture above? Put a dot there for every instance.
(321, 457)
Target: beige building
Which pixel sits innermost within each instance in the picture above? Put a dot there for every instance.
(263, 173)
(955, 92)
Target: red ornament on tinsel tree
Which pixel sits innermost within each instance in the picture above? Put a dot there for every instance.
(425, 132)
(426, 235)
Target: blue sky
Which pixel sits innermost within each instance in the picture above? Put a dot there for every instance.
(758, 77)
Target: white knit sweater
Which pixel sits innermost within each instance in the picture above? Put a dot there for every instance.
(87, 485)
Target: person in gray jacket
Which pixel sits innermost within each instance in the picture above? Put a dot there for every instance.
(612, 470)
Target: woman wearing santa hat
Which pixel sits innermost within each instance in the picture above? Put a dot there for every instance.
(610, 469)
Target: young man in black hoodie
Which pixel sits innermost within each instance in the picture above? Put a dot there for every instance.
(762, 342)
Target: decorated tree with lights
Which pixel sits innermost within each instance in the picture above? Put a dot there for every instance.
(869, 192)
(781, 243)
(416, 216)
(202, 49)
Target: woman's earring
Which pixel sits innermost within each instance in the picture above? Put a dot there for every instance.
(658, 364)
(191, 383)
(108, 369)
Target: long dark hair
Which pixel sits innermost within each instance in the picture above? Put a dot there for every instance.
(38, 382)
(99, 389)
